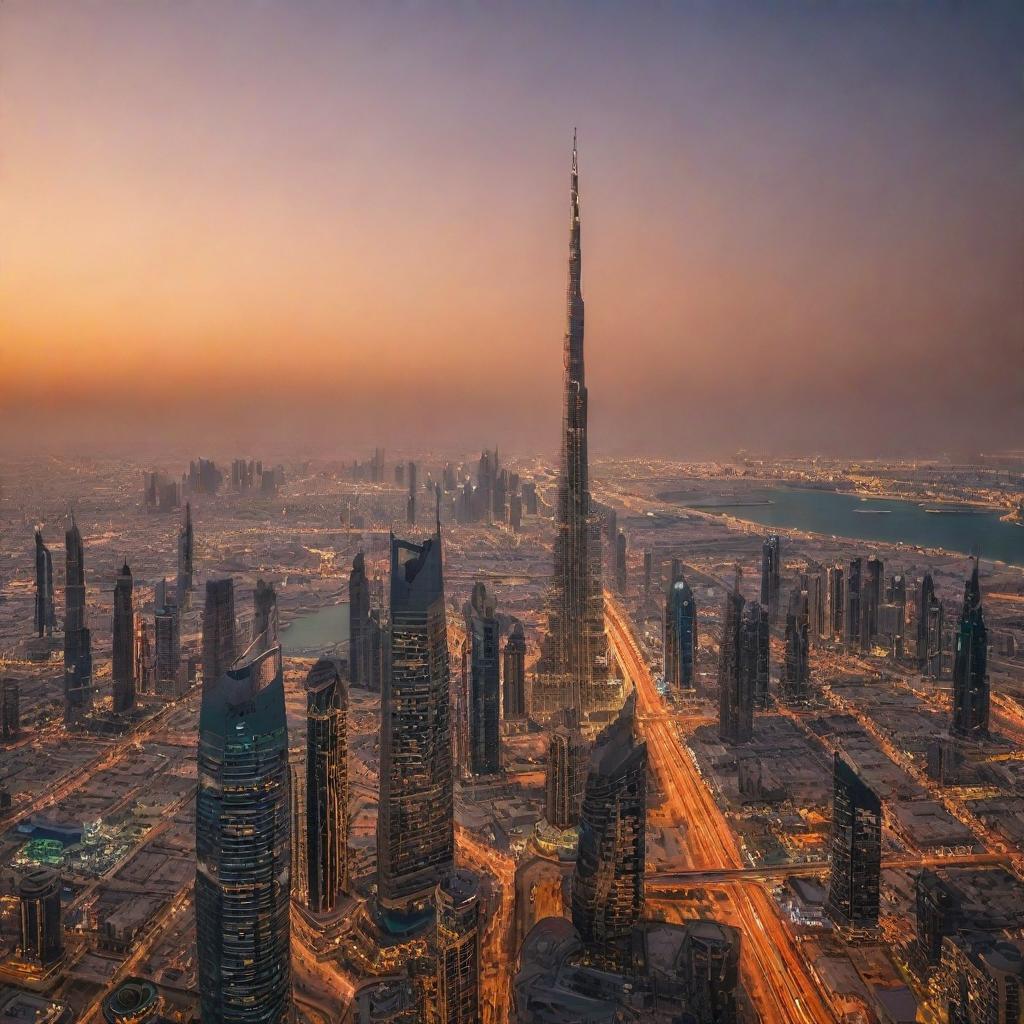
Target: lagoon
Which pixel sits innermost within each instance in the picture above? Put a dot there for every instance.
(316, 632)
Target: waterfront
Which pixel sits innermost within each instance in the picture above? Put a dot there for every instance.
(887, 520)
(316, 632)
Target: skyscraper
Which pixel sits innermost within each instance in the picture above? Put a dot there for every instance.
(167, 639)
(608, 883)
(123, 668)
(735, 695)
(415, 823)
(359, 623)
(458, 948)
(513, 675)
(710, 965)
(243, 846)
(853, 603)
(218, 629)
(836, 602)
(794, 684)
(755, 647)
(576, 647)
(41, 934)
(856, 849)
(871, 600)
(938, 910)
(484, 683)
(929, 629)
(45, 616)
(568, 763)
(77, 640)
(982, 979)
(620, 562)
(186, 551)
(143, 657)
(265, 623)
(771, 554)
(410, 502)
(970, 661)
(680, 636)
(326, 788)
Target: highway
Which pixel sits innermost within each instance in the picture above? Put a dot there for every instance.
(774, 971)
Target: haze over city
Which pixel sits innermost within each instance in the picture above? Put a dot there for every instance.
(803, 224)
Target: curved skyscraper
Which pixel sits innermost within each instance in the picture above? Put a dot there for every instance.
(243, 846)
(576, 648)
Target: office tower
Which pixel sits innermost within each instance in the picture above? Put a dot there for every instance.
(771, 554)
(530, 497)
(970, 660)
(755, 640)
(929, 629)
(568, 763)
(514, 674)
(484, 682)
(10, 709)
(648, 571)
(143, 657)
(123, 668)
(709, 963)
(871, 600)
(620, 563)
(982, 979)
(410, 502)
(938, 910)
(186, 552)
(326, 784)
(576, 647)
(836, 602)
(167, 639)
(608, 883)
(243, 846)
(795, 682)
(680, 636)
(500, 494)
(515, 512)
(41, 936)
(898, 598)
(735, 695)
(853, 603)
(415, 823)
(856, 850)
(265, 622)
(218, 629)
(458, 948)
(77, 640)
(815, 583)
(45, 616)
(359, 623)
(299, 850)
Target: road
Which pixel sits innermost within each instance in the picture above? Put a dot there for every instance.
(774, 971)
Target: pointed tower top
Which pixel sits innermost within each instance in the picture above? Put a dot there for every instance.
(575, 167)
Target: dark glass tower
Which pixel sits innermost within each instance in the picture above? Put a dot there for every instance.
(243, 847)
(484, 683)
(856, 850)
(608, 883)
(167, 638)
(45, 616)
(415, 822)
(264, 626)
(218, 629)
(755, 647)
(735, 694)
(970, 660)
(186, 552)
(680, 636)
(853, 603)
(359, 624)
(576, 648)
(326, 784)
(836, 602)
(41, 933)
(514, 674)
(929, 629)
(621, 578)
(771, 553)
(77, 640)
(938, 913)
(567, 772)
(795, 682)
(458, 948)
(123, 667)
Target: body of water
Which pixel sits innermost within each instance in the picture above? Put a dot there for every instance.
(892, 521)
(316, 632)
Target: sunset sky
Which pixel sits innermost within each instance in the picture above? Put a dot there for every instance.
(244, 225)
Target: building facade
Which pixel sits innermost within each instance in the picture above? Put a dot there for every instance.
(970, 667)
(123, 632)
(77, 638)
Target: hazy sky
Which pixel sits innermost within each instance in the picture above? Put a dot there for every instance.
(228, 221)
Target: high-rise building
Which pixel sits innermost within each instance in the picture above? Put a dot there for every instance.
(45, 616)
(10, 710)
(648, 571)
(795, 681)
(143, 656)
(359, 622)
(871, 600)
(771, 569)
(755, 647)
(77, 639)
(415, 822)
(243, 846)
(568, 763)
(982, 979)
(41, 936)
(710, 967)
(929, 629)
(621, 567)
(123, 668)
(458, 948)
(938, 913)
(836, 602)
(970, 666)
(186, 553)
(513, 675)
(814, 583)
(515, 512)
(680, 636)
(856, 850)
(218, 629)
(299, 854)
(853, 603)
(410, 502)
(484, 707)
(326, 784)
(576, 648)
(735, 694)
(608, 883)
(167, 638)
(265, 622)
(898, 599)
